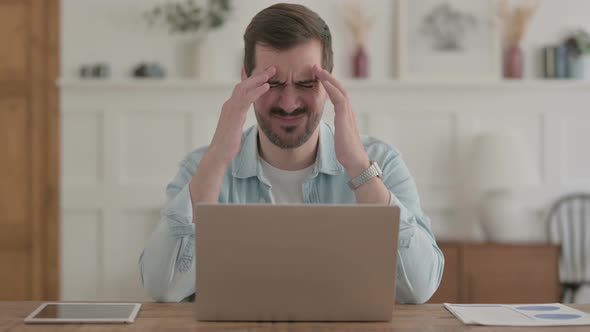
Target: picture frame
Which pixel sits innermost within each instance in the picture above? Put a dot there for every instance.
(448, 40)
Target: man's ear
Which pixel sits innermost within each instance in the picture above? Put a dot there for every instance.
(243, 74)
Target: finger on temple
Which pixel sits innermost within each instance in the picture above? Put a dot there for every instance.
(256, 93)
(260, 78)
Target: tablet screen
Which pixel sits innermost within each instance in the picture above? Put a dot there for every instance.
(86, 312)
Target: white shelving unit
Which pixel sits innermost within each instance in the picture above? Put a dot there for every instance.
(350, 83)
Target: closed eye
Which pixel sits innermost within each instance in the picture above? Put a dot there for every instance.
(275, 84)
(306, 86)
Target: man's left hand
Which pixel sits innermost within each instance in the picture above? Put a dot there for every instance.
(349, 148)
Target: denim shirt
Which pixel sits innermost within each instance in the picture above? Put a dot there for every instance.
(167, 264)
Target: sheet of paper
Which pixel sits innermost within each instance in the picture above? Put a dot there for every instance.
(550, 314)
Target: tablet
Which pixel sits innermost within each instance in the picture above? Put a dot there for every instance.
(58, 313)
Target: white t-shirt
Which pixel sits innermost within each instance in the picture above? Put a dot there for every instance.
(286, 186)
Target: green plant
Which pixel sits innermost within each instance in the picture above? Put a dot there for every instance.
(578, 43)
(188, 16)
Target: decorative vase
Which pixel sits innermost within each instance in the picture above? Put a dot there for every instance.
(586, 66)
(200, 58)
(575, 66)
(504, 219)
(360, 67)
(579, 67)
(513, 62)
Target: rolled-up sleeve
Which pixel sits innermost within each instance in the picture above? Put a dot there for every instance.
(420, 261)
(166, 265)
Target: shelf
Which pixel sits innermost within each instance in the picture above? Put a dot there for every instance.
(385, 84)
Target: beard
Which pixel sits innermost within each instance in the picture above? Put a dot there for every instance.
(284, 139)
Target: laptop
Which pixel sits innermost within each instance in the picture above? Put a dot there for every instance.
(295, 262)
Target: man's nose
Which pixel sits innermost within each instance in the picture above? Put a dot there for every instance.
(289, 99)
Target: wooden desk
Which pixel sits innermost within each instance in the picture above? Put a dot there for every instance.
(179, 317)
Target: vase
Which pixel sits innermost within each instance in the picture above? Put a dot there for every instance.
(504, 219)
(360, 63)
(585, 64)
(575, 67)
(579, 67)
(513, 62)
(200, 58)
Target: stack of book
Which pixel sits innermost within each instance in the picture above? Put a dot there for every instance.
(556, 62)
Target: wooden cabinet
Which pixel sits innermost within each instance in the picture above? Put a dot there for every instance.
(498, 273)
(449, 289)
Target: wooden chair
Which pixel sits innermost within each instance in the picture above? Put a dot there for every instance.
(568, 224)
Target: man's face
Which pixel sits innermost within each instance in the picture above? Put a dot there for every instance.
(291, 110)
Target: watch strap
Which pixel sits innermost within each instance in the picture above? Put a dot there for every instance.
(372, 171)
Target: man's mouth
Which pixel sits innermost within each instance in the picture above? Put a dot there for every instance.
(289, 120)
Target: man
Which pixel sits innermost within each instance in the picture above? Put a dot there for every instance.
(291, 157)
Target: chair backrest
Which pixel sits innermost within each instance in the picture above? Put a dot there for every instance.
(568, 224)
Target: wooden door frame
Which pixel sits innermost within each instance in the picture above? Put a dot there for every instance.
(46, 152)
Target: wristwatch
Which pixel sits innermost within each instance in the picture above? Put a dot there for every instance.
(373, 171)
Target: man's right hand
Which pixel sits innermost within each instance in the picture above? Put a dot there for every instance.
(205, 185)
(227, 140)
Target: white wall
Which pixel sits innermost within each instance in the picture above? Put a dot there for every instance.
(113, 31)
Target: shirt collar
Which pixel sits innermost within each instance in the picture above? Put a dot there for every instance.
(245, 164)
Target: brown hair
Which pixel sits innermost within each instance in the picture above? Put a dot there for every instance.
(284, 26)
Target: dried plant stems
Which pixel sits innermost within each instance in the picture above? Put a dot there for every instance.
(516, 20)
(358, 23)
